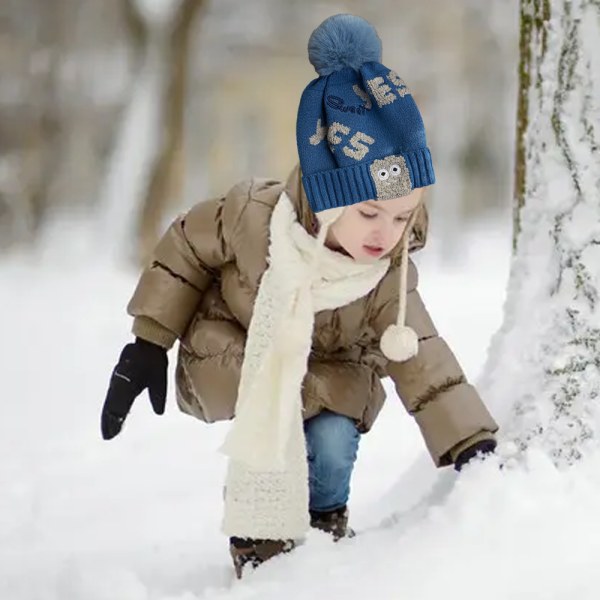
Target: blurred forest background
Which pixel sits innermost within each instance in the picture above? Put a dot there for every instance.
(129, 111)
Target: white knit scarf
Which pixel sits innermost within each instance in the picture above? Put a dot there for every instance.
(267, 478)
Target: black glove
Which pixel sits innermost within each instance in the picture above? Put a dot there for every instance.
(479, 448)
(141, 365)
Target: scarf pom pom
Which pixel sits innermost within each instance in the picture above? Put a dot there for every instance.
(399, 343)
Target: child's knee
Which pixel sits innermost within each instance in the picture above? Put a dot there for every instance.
(333, 438)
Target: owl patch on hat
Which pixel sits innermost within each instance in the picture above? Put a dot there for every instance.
(391, 177)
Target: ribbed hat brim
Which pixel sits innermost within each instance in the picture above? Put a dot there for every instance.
(349, 185)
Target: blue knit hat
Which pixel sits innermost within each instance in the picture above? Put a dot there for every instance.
(359, 132)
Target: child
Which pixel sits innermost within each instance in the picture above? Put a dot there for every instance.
(291, 300)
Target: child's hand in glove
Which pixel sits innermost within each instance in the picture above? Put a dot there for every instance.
(480, 448)
(141, 365)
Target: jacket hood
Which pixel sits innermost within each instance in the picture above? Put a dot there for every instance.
(307, 217)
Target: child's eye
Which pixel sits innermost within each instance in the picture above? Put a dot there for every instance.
(367, 215)
(401, 219)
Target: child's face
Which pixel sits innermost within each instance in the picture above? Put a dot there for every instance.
(369, 230)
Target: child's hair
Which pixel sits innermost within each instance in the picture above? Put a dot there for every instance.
(421, 225)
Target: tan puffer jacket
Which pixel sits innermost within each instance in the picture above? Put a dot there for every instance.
(200, 288)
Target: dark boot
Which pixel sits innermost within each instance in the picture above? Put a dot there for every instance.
(255, 552)
(334, 522)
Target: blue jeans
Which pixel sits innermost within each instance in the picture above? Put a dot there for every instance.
(332, 445)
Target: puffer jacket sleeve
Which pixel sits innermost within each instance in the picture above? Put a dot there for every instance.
(184, 263)
(433, 386)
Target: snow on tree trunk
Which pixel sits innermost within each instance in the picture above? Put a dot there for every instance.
(542, 379)
(130, 164)
(166, 183)
(144, 172)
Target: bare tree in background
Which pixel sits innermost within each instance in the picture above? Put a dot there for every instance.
(139, 190)
(545, 362)
(64, 66)
(30, 131)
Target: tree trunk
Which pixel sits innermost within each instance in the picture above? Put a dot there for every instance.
(40, 124)
(144, 172)
(533, 26)
(166, 180)
(543, 374)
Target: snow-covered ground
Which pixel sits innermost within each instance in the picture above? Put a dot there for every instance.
(138, 518)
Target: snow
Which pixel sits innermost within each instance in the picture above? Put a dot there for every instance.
(138, 518)
(158, 13)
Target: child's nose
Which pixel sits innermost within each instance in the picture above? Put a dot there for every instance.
(384, 232)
